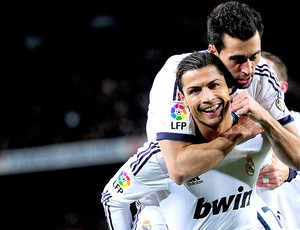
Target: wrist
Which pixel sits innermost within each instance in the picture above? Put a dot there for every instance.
(224, 144)
(292, 174)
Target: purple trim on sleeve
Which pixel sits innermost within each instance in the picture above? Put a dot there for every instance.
(292, 174)
(175, 137)
(286, 120)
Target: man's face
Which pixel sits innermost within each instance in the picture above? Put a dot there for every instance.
(207, 95)
(241, 58)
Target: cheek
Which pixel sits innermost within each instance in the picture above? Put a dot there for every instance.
(225, 95)
(234, 70)
(192, 102)
(232, 67)
(185, 101)
(254, 65)
(256, 60)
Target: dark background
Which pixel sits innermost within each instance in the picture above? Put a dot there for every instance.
(97, 59)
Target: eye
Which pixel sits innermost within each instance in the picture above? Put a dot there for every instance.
(240, 59)
(214, 85)
(194, 90)
(252, 58)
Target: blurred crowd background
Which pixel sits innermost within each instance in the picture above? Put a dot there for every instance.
(82, 71)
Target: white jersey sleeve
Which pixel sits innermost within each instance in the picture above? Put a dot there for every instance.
(142, 174)
(166, 114)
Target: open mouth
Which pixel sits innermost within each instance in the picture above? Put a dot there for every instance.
(243, 81)
(212, 108)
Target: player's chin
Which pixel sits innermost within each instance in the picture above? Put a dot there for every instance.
(212, 120)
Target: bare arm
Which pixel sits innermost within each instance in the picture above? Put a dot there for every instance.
(186, 161)
(285, 142)
(284, 139)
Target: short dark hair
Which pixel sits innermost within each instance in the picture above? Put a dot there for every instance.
(235, 19)
(198, 60)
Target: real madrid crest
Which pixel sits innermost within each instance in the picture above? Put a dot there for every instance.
(146, 225)
(250, 167)
(280, 104)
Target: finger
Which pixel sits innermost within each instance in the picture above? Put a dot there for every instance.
(265, 170)
(266, 179)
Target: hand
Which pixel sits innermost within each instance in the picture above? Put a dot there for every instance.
(274, 175)
(245, 129)
(244, 105)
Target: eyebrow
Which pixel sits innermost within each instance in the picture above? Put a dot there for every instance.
(217, 79)
(244, 57)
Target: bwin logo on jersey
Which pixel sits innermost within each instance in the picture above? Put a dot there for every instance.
(178, 112)
(194, 181)
(239, 200)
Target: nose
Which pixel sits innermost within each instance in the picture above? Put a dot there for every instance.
(247, 67)
(207, 94)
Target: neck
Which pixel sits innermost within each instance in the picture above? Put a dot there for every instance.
(210, 133)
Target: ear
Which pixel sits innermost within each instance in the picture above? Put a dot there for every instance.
(182, 98)
(284, 86)
(212, 49)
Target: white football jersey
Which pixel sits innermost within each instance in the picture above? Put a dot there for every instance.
(168, 119)
(227, 198)
(142, 174)
(222, 198)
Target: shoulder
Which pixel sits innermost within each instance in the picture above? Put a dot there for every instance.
(263, 69)
(175, 59)
(167, 72)
(265, 77)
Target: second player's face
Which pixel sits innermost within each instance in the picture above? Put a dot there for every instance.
(207, 95)
(240, 58)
